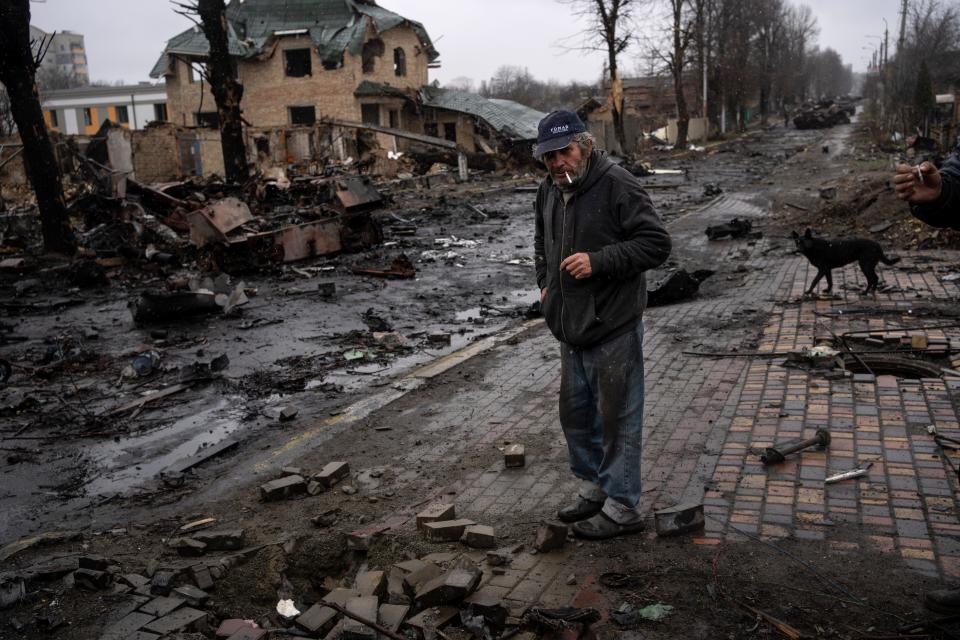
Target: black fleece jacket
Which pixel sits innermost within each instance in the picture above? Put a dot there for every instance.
(945, 210)
(611, 218)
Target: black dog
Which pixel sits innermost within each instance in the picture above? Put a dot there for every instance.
(826, 255)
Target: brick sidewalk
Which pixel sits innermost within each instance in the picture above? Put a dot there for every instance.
(706, 419)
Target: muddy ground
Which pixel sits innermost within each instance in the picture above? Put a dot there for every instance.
(68, 466)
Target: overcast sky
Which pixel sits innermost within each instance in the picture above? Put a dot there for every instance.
(125, 37)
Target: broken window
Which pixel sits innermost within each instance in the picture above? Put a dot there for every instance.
(370, 114)
(303, 115)
(207, 119)
(297, 63)
(123, 117)
(87, 117)
(160, 111)
(394, 119)
(399, 62)
(430, 129)
(372, 49)
(450, 131)
(54, 121)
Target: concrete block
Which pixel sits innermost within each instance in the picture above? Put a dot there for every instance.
(396, 591)
(449, 588)
(479, 536)
(550, 536)
(371, 583)
(487, 602)
(195, 597)
(365, 607)
(391, 616)
(221, 539)
(201, 576)
(92, 580)
(187, 547)
(421, 576)
(317, 619)
(341, 596)
(446, 530)
(409, 566)
(436, 513)
(514, 456)
(332, 473)
(680, 519)
(179, 619)
(282, 488)
(97, 563)
(162, 605)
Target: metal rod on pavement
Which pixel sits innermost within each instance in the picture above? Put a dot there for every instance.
(373, 625)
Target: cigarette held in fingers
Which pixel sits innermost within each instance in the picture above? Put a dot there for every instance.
(919, 174)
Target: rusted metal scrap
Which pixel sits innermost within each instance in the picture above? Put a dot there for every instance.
(401, 267)
(213, 223)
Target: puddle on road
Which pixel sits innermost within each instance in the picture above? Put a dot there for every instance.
(142, 456)
(361, 375)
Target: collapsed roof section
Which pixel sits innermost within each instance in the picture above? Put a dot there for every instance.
(512, 120)
(334, 26)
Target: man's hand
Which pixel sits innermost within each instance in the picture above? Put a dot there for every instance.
(919, 184)
(543, 294)
(577, 265)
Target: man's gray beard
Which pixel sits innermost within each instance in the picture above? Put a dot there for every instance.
(576, 177)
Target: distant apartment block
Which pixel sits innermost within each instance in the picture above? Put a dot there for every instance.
(83, 109)
(66, 52)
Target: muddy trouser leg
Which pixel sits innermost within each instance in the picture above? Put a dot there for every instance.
(601, 412)
(580, 421)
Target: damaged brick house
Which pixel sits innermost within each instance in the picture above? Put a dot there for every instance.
(305, 61)
(302, 59)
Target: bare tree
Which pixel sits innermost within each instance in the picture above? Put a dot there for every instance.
(685, 20)
(610, 29)
(7, 125)
(210, 15)
(18, 67)
(461, 83)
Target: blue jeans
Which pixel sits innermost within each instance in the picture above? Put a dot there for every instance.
(601, 412)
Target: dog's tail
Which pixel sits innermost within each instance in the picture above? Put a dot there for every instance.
(888, 261)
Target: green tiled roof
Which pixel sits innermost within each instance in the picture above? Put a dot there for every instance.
(369, 88)
(333, 25)
(511, 119)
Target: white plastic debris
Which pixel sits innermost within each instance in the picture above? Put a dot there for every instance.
(286, 609)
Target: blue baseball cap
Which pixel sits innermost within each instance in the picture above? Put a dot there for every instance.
(556, 131)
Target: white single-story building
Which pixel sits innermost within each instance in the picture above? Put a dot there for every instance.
(82, 110)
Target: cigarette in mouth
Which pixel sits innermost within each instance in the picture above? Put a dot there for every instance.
(920, 175)
(569, 181)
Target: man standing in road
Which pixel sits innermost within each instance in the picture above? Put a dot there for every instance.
(596, 235)
(934, 197)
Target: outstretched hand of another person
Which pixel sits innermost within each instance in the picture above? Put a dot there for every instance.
(577, 265)
(917, 184)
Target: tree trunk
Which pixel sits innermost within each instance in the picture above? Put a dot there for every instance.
(616, 94)
(679, 53)
(227, 90)
(17, 73)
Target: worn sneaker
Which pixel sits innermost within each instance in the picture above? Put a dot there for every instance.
(602, 527)
(946, 601)
(579, 510)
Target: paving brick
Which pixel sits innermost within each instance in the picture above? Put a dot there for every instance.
(364, 607)
(479, 536)
(283, 488)
(436, 513)
(447, 530)
(332, 473)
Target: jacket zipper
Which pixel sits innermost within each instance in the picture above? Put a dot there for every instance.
(563, 246)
